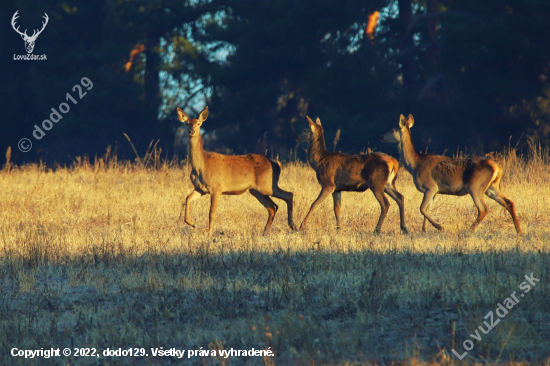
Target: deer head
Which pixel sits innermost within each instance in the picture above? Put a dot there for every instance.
(29, 41)
(308, 133)
(395, 135)
(193, 124)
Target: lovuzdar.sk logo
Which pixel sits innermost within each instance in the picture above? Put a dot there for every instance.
(29, 40)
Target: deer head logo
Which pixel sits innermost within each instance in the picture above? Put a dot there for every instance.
(29, 41)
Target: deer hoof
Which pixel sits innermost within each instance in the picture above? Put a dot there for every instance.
(404, 230)
(190, 223)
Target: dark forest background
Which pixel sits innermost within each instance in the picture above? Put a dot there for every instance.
(473, 73)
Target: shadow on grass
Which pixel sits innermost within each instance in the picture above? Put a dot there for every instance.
(320, 306)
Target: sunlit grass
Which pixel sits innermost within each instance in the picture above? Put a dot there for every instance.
(97, 255)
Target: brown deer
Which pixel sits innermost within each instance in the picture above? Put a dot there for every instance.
(337, 172)
(433, 174)
(218, 174)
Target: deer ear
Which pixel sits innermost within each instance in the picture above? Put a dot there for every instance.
(402, 121)
(182, 116)
(203, 116)
(318, 121)
(311, 123)
(410, 121)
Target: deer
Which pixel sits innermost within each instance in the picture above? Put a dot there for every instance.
(337, 172)
(437, 174)
(29, 41)
(218, 174)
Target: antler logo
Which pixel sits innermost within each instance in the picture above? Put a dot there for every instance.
(29, 41)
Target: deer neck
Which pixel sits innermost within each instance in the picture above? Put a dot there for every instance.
(196, 152)
(316, 151)
(407, 153)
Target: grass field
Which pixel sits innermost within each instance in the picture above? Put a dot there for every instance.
(97, 255)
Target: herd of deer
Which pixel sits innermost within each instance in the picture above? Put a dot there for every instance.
(217, 174)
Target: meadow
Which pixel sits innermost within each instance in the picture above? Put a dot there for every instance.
(97, 255)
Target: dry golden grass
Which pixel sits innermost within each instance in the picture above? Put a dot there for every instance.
(98, 256)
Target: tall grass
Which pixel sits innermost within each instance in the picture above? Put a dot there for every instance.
(97, 255)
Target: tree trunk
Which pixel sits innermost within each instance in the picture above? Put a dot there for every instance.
(432, 52)
(407, 61)
(149, 123)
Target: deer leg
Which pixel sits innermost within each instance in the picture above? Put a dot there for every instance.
(384, 207)
(325, 191)
(337, 198)
(288, 198)
(214, 200)
(428, 208)
(400, 200)
(267, 203)
(191, 197)
(426, 202)
(497, 195)
(482, 209)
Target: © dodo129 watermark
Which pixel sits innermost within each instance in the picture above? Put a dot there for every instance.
(501, 312)
(25, 145)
